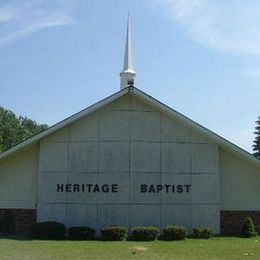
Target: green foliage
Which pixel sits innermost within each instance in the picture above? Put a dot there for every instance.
(81, 233)
(248, 228)
(114, 233)
(7, 224)
(256, 145)
(203, 232)
(48, 230)
(14, 130)
(145, 233)
(174, 232)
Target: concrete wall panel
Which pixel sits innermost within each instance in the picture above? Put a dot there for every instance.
(83, 197)
(205, 188)
(85, 129)
(204, 158)
(145, 215)
(61, 136)
(136, 180)
(83, 157)
(113, 215)
(177, 195)
(145, 157)
(122, 194)
(53, 157)
(82, 215)
(114, 125)
(47, 188)
(177, 215)
(176, 158)
(206, 215)
(145, 126)
(172, 131)
(52, 212)
(114, 157)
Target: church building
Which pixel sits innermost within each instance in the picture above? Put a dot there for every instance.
(130, 160)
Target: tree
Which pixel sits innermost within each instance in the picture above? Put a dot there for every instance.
(256, 145)
(14, 130)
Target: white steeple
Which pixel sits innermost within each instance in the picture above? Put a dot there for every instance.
(128, 74)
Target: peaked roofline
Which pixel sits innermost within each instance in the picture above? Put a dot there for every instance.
(149, 99)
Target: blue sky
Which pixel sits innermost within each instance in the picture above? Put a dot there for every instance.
(200, 57)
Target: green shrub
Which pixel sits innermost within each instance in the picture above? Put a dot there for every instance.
(114, 233)
(248, 228)
(81, 233)
(174, 232)
(7, 223)
(145, 233)
(48, 230)
(202, 232)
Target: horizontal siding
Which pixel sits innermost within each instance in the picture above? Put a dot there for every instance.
(239, 183)
(18, 179)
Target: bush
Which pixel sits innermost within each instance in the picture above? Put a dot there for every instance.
(7, 223)
(81, 233)
(48, 230)
(145, 233)
(114, 233)
(203, 232)
(248, 228)
(174, 232)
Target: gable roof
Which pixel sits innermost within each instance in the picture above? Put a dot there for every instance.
(225, 144)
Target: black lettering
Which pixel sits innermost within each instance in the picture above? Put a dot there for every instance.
(68, 187)
(96, 188)
(83, 187)
(143, 188)
(159, 188)
(187, 188)
(151, 189)
(105, 188)
(89, 187)
(167, 186)
(60, 187)
(75, 187)
(114, 188)
(179, 188)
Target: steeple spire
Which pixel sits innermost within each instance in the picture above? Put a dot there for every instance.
(128, 74)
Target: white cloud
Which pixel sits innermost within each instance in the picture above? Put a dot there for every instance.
(232, 26)
(22, 18)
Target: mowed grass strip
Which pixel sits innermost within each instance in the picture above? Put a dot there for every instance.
(216, 248)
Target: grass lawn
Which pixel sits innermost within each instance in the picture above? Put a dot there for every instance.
(216, 248)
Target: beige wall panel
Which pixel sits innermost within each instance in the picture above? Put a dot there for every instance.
(52, 212)
(83, 157)
(139, 105)
(145, 215)
(114, 157)
(59, 137)
(145, 126)
(82, 215)
(114, 125)
(53, 157)
(239, 183)
(173, 131)
(206, 215)
(86, 129)
(204, 158)
(177, 215)
(122, 103)
(145, 157)
(113, 215)
(176, 158)
(139, 178)
(18, 179)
